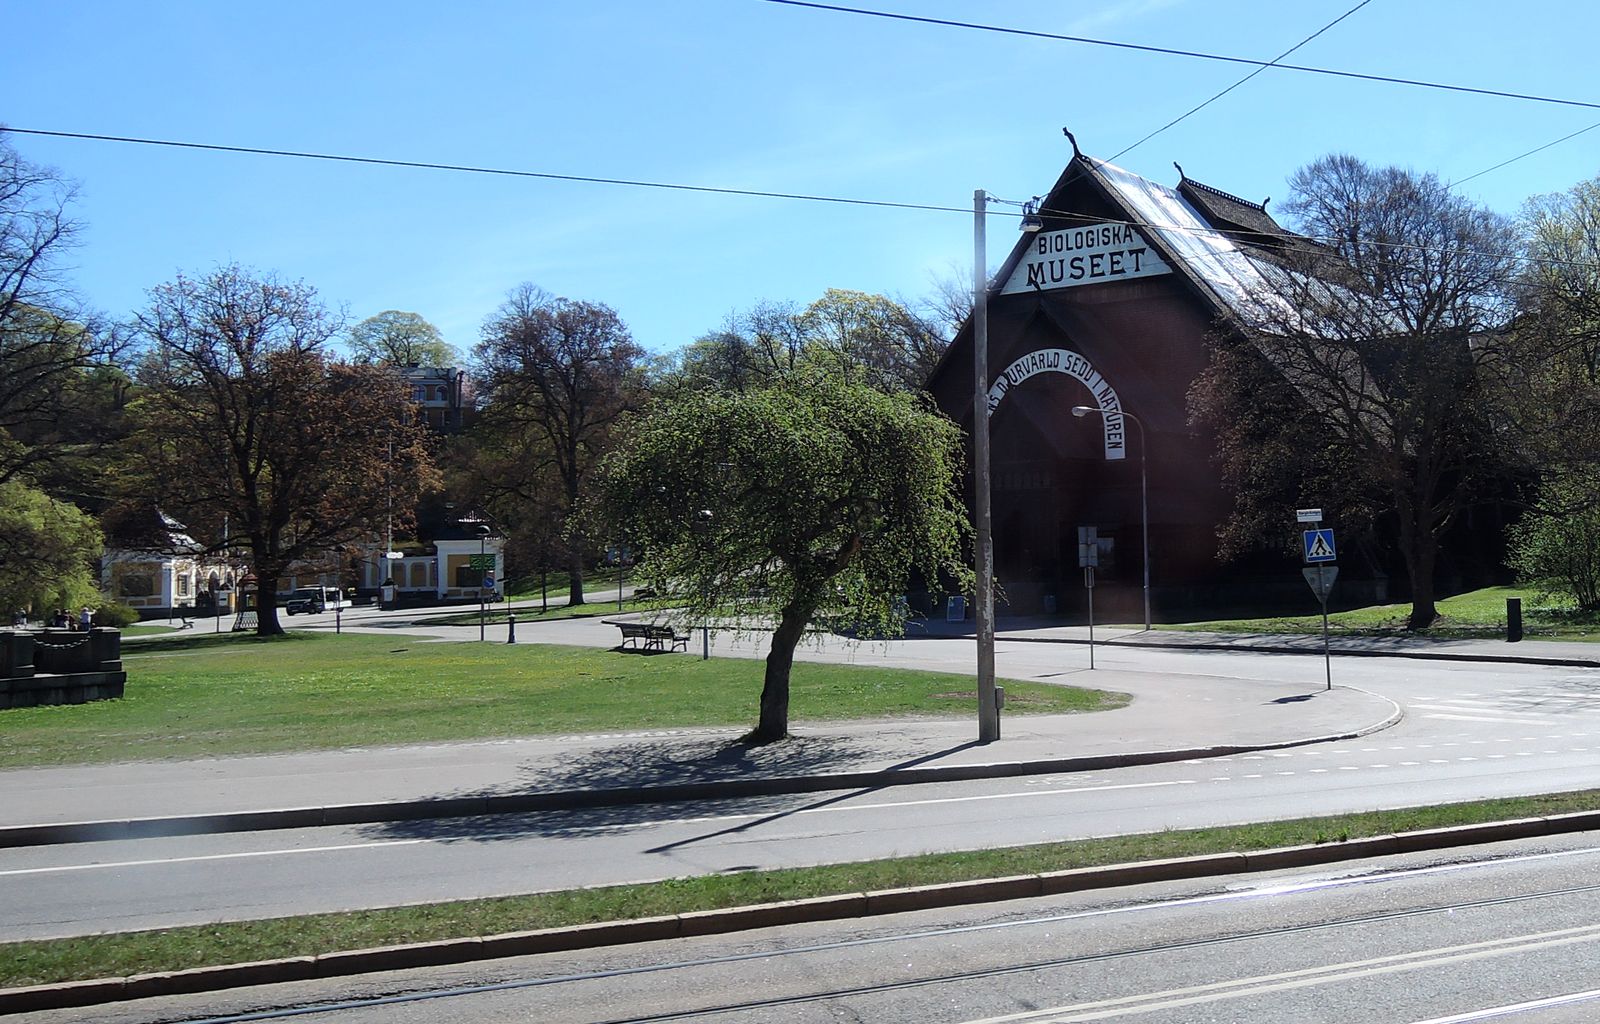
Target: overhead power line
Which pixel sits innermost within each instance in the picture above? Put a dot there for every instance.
(1521, 156)
(679, 187)
(1195, 54)
(470, 169)
(1272, 63)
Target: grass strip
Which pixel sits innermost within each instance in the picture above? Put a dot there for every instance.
(1475, 615)
(168, 949)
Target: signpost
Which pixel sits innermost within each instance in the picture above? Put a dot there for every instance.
(1089, 558)
(1320, 554)
(484, 564)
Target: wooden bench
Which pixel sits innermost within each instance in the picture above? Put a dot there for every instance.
(651, 637)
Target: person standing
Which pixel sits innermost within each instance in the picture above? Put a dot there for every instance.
(86, 619)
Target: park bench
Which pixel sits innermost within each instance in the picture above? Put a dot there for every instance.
(651, 637)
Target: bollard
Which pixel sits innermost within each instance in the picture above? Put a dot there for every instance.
(1513, 619)
(511, 628)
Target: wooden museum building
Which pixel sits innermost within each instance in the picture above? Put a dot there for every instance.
(1106, 310)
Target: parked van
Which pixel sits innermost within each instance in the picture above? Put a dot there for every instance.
(315, 599)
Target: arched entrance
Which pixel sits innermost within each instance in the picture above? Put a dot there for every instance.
(1073, 364)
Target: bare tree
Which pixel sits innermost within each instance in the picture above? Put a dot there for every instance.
(556, 377)
(1362, 373)
(51, 345)
(247, 422)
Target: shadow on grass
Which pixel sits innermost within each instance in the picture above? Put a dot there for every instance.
(664, 762)
(193, 641)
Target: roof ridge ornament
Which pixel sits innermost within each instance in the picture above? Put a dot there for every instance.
(1076, 152)
(1203, 187)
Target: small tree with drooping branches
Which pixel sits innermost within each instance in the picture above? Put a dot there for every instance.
(812, 498)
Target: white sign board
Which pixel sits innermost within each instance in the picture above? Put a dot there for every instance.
(1308, 515)
(1088, 255)
(1088, 547)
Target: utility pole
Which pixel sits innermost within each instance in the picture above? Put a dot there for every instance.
(983, 614)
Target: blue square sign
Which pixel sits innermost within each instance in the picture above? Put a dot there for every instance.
(1319, 546)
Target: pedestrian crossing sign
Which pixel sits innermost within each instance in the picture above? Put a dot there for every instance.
(1319, 546)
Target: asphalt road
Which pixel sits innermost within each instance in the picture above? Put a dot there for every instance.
(1505, 933)
(1471, 731)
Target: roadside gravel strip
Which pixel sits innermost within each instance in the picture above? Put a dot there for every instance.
(827, 908)
(54, 833)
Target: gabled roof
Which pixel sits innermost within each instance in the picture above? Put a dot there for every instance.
(1230, 252)
(145, 528)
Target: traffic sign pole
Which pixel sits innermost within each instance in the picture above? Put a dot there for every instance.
(1327, 656)
(1321, 554)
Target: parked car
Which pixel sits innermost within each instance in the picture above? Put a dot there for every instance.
(315, 599)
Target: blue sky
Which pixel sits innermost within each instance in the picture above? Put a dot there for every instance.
(727, 93)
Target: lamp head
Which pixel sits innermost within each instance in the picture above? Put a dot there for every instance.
(1081, 411)
(1032, 223)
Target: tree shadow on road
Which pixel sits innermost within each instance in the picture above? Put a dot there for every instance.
(663, 762)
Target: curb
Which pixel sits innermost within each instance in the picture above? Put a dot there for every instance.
(1253, 648)
(59, 833)
(345, 963)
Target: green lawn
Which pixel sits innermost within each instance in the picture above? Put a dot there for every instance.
(200, 694)
(1477, 614)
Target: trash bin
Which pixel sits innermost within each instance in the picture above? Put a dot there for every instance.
(955, 609)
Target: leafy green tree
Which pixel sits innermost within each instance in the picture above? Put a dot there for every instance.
(878, 336)
(1556, 546)
(813, 497)
(399, 338)
(254, 438)
(46, 551)
(1553, 383)
(1364, 375)
(875, 338)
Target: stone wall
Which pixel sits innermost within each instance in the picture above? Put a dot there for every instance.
(59, 666)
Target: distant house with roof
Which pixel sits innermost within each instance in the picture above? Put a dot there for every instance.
(152, 565)
(442, 395)
(1109, 306)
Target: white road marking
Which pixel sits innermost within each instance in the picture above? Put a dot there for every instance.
(1236, 988)
(1489, 1013)
(114, 865)
(837, 808)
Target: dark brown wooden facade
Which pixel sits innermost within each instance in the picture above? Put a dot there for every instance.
(1084, 284)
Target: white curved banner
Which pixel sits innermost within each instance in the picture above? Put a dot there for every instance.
(1074, 365)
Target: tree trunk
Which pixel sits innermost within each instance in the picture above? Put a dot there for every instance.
(575, 578)
(1419, 548)
(1420, 558)
(267, 607)
(774, 722)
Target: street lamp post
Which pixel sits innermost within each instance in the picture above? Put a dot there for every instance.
(1144, 496)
